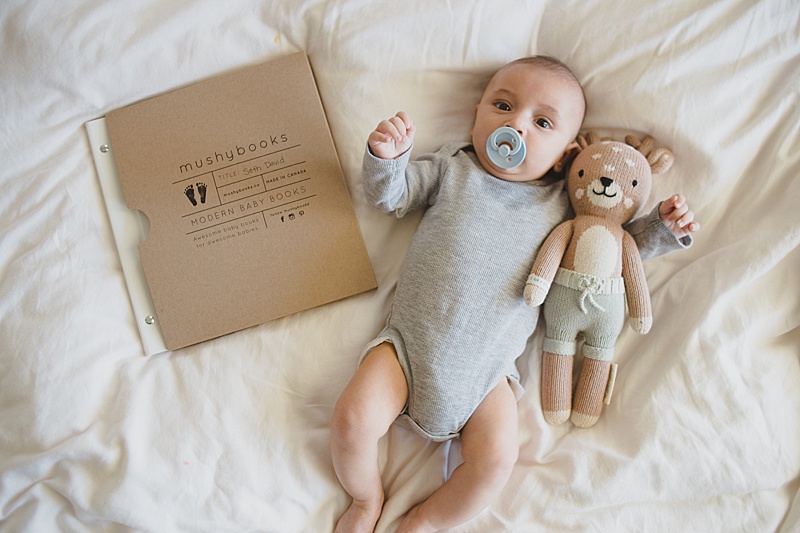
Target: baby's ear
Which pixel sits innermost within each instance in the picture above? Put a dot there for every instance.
(569, 154)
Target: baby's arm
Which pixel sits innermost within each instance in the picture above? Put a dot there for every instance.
(667, 228)
(392, 182)
(392, 137)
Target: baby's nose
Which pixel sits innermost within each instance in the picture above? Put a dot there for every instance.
(515, 124)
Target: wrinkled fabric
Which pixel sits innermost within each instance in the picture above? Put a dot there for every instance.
(233, 434)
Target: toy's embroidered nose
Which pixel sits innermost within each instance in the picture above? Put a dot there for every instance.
(606, 182)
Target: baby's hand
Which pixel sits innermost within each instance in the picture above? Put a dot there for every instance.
(392, 137)
(677, 216)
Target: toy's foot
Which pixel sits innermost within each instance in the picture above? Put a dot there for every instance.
(590, 392)
(556, 387)
(584, 421)
(557, 417)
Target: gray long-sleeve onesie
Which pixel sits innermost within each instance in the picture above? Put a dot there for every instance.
(458, 320)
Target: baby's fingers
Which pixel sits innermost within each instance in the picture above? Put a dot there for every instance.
(673, 207)
(399, 127)
(408, 124)
(392, 136)
(377, 137)
(677, 216)
(686, 221)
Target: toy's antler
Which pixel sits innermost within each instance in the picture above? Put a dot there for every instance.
(590, 137)
(660, 160)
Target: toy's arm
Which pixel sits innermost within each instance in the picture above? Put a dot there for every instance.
(547, 262)
(636, 291)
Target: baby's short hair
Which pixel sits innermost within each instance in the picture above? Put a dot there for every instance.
(553, 65)
(548, 62)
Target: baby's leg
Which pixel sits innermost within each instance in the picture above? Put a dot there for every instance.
(489, 447)
(373, 398)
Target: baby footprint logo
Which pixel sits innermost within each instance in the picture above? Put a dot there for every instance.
(189, 192)
(202, 189)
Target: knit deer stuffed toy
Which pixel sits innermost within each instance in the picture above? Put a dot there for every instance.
(589, 268)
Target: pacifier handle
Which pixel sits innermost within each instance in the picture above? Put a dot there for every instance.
(505, 147)
(506, 142)
(505, 150)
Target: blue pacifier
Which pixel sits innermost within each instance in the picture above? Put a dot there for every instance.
(505, 147)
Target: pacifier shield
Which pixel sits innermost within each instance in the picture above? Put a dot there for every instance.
(505, 147)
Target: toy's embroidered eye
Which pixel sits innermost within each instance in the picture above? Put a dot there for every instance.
(580, 173)
(635, 183)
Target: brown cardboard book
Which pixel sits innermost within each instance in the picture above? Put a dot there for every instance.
(249, 215)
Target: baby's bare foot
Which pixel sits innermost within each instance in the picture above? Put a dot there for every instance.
(359, 518)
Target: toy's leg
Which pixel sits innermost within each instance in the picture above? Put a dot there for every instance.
(556, 387)
(590, 392)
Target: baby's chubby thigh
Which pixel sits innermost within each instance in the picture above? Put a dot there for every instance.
(375, 396)
(489, 440)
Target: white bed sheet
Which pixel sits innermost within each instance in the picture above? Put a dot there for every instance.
(232, 435)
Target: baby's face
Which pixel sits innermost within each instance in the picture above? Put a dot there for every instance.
(543, 106)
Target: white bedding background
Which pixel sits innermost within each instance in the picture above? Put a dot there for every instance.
(232, 435)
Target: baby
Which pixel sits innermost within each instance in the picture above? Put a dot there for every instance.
(445, 362)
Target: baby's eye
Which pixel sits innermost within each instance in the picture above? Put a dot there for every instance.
(502, 106)
(543, 123)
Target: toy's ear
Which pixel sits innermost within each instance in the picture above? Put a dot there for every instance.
(660, 160)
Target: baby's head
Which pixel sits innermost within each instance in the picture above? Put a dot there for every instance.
(541, 99)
